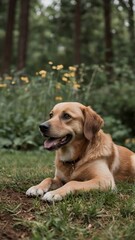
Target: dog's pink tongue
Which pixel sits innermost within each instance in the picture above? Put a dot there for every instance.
(48, 144)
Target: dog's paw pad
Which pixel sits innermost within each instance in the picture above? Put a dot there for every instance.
(34, 191)
(51, 197)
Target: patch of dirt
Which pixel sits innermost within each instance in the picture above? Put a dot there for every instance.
(15, 206)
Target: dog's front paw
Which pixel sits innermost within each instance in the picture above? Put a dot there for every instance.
(52, 197)
(35, 191)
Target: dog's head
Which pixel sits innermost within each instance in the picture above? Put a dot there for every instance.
(68, 122)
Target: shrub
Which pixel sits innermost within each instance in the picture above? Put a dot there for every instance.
(26, 101)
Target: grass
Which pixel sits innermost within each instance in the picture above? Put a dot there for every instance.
(95, 215)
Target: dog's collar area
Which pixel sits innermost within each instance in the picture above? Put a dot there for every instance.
(71, 162)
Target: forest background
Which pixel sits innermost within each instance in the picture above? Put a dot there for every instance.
(78, 50)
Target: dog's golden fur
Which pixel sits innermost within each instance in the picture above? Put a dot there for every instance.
(89, 160)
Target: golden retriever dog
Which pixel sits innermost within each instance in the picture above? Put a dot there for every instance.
(86, 157)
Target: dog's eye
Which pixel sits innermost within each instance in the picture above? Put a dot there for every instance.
(66, 116)
(51, 115)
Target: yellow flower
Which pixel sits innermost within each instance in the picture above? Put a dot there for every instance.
(54, 67)
(72, 74)
(8, 78)
(43, 73)
(71, 68)
(130, 140)
(133, 140)
(13, 82)
(66, 75)
(59, 67)
(76, 86)
(58, 86)
(50, 62)
(64, 79)
(3, 85)
(58, 98)
(25, 79)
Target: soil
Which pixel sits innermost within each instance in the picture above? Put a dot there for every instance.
(10, 229)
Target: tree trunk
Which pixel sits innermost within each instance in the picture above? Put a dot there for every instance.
(77, 47)
(108, 37)
(23, 37)
(131, 30)
(129, 7)
(9, 36)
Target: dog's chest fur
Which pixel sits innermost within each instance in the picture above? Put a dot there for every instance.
(68, 171)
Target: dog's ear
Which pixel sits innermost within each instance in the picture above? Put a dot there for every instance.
(92, 123)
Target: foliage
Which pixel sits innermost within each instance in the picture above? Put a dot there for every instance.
(26, 101)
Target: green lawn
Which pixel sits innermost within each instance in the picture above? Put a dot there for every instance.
(92, 216)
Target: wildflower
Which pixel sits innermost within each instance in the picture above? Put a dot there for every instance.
(50, 62)
(76, 86)
(72, 74)
(66, 75)
(25, 79)
(59, 67)
(54, 67)
(8, 78)
(43, 73)
(58, 86)
(3, 85)
(13, 82)
(130, 140)
(71, 68)
(58, 98)
(64, 79)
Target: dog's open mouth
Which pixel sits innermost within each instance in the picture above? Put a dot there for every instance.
(54, 143)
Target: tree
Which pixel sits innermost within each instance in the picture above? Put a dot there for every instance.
(108, 37)
(131, 32)
(23, 37)
(128, 6)
(9, 36)
(131, 21)
(77, 40)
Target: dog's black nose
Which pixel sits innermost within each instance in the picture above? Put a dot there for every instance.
(44, 127)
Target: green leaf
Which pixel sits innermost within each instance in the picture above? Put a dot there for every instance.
(5, 142)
